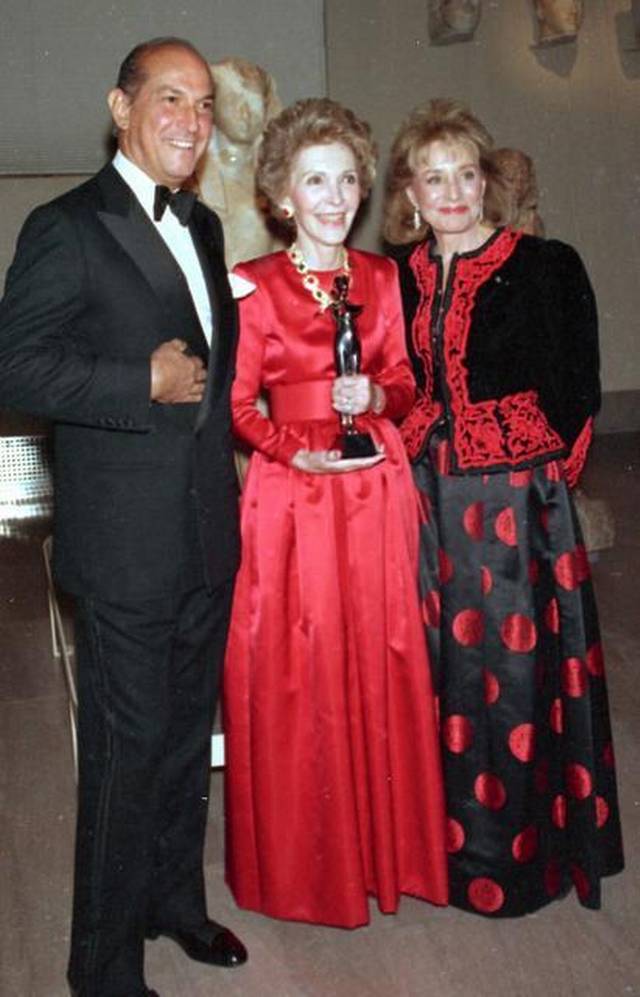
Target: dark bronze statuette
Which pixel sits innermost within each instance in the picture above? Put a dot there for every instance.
(351, 443)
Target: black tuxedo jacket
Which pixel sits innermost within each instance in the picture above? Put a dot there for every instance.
(145, 493)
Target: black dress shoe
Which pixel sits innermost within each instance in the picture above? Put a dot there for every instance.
(144, 993)
(211, 943)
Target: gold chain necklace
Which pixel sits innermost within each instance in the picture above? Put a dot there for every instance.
(309, 280)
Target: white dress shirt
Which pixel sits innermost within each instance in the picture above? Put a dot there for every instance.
(176, 236)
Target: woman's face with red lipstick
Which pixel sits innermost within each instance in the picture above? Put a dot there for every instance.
(448, 186)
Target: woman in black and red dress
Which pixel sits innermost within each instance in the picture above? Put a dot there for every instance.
(502, 333)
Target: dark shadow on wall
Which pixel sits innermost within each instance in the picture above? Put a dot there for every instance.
(628, 46)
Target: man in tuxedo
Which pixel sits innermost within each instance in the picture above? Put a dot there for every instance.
(118, 324)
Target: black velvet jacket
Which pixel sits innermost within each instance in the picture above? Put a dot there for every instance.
(507, 353)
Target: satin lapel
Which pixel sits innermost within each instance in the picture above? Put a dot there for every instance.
(206, 241)
(208, 262)
(129, 225)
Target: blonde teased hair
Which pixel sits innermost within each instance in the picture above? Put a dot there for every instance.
(441, 120)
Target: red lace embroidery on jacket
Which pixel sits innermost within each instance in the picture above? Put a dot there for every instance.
(425, 412)
(574, 463)
(509, 430)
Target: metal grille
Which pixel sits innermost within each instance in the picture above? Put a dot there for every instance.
(26, 487)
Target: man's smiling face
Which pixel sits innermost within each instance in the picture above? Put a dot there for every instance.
(165, 126)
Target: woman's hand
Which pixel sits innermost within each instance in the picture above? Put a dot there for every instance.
(354, 394)
(329, 462)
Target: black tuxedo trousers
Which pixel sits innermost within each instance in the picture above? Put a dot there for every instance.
(147, 688)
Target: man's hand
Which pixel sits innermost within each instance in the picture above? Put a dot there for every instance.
(175, 376)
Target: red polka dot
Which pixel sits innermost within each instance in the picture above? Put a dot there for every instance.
(445, 567)
(579, 781)
(520, 479)
(457, 733)
(522, 742)
(431, 608)
(490, 791)
(595, 660)
(608, 756)
(468, 627)
(580, 881)
(525, 844)
(574, 677)
(572, 568)
(541, 776)
(552, 878)
(485, 895)
(581, 560)
(455, 835)
(556, 718)
(506, 529)
(486, 580)
(473, 520)
(518, 632)
(534, 572)
(565, 571)
(491, 687)
(602, 811)
(552, 616)
(559, 810)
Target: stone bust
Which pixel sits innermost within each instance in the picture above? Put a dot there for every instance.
(519, 189)
(558, 20)
(453, 20)
(245, 100)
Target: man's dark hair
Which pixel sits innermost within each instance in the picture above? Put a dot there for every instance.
(132, 73)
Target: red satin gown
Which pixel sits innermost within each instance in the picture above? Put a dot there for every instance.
(333, 782)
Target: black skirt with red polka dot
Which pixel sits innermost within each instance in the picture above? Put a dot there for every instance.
(512, 626)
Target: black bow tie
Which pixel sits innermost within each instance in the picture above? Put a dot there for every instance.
(181, 203)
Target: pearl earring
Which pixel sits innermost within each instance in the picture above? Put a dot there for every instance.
(286, 211)
(417, 219)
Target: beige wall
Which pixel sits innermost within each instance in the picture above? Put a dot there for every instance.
(575, 109)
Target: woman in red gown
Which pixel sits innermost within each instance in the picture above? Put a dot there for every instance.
(333, 784)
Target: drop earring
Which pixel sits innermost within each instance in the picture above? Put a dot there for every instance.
(286, 211)
(417, 219)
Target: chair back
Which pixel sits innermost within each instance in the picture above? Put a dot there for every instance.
(26, 484)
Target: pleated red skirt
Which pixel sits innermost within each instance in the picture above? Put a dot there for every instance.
(333, 778)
